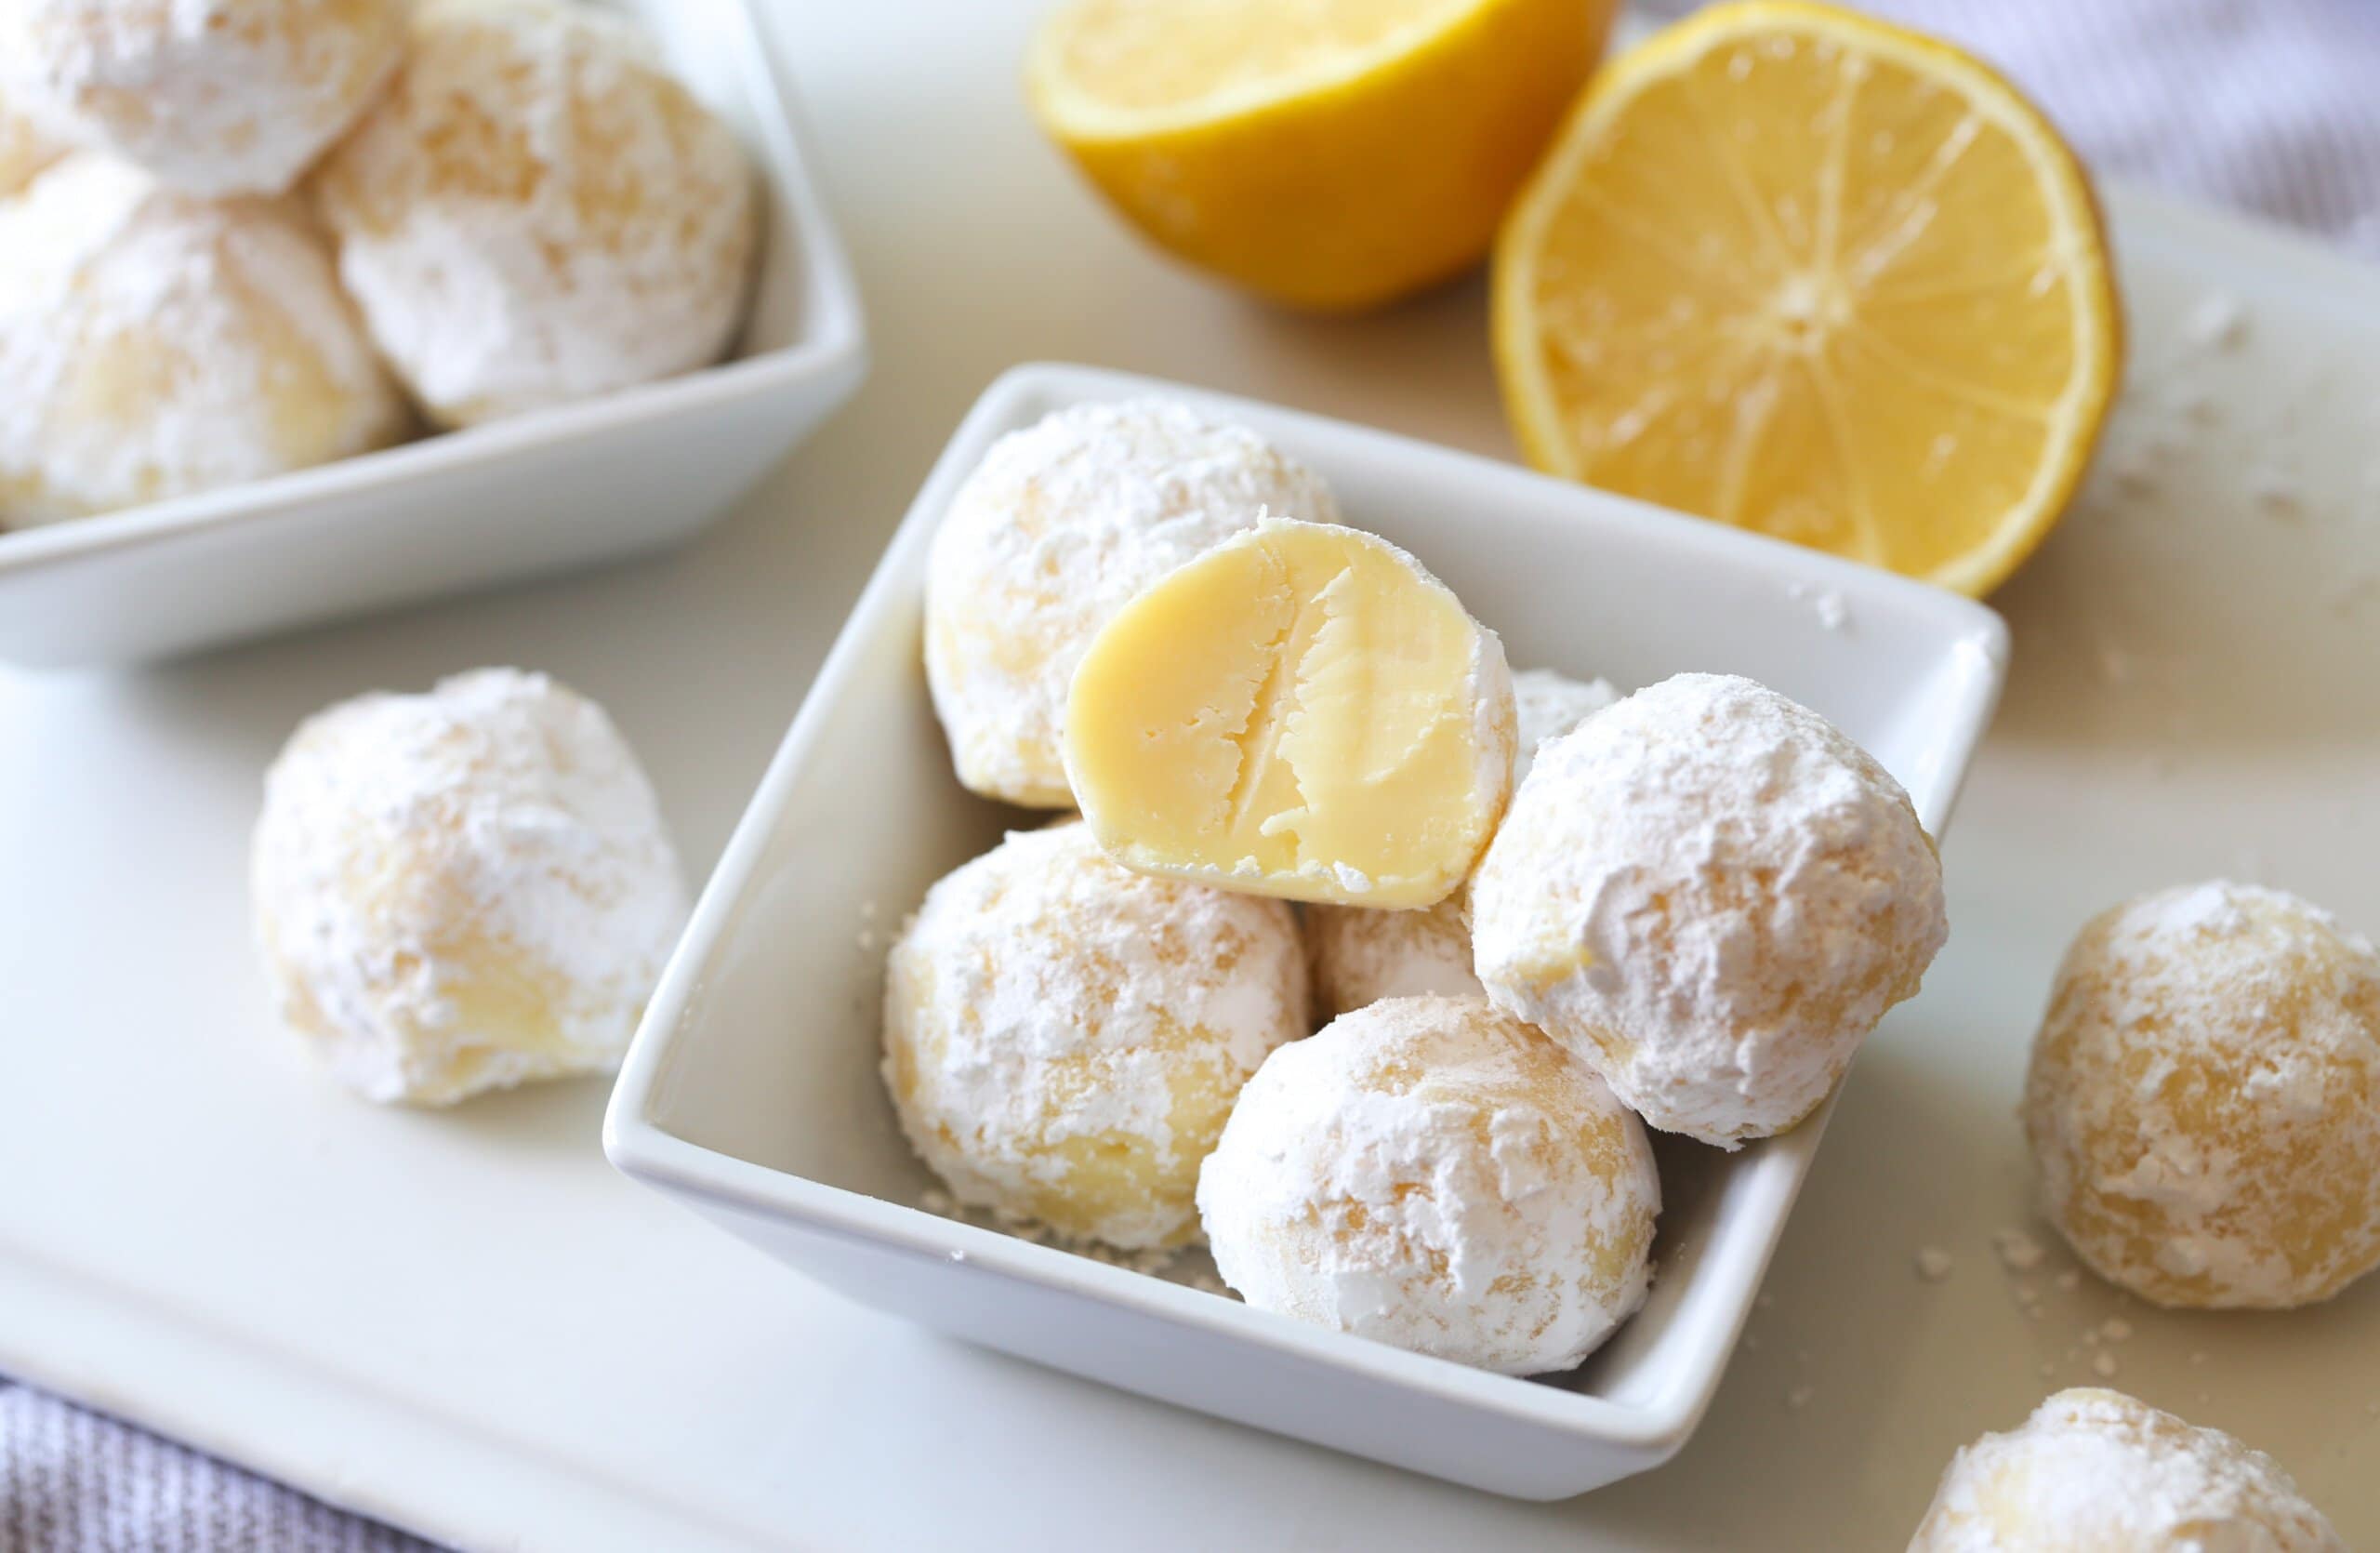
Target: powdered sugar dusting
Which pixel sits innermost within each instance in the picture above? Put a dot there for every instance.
(1711, 894)
(465, 889)
(2216, 321)
(1549, 704)
(214, 97)
(1432, 1174)
(2096, 1468)
(155, 345)
(25, 147)
(1061, 524)
(1046, 1007)
(533, 215)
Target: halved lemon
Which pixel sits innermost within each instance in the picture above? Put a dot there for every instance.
(1799, 270)
(1332, 154)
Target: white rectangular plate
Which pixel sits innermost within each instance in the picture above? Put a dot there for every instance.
(472, 1324)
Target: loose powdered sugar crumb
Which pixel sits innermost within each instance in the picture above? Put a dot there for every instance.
(2216, 320)
(1834, 613)
(2017, 1248)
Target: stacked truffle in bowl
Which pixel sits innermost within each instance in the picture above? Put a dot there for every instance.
(239, 239)
(1531, 917)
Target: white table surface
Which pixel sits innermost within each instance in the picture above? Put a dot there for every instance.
(467, 1324)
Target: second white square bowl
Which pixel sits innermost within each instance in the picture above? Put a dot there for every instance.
(628, 472)
(752, 1092)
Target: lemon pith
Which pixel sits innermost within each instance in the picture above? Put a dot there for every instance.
(1808, 274)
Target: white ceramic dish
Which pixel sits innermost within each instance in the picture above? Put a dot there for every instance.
(751, 1090)
(627, 472)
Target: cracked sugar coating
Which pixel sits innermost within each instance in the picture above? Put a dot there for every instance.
(1432, 1174)
(25, 147)
(464, 890)
(153, 345)
(534, 214)
(2204, 1098)
(1063, 1037)
(1360, 954)
(1059, 525)
(1712, 896)
(2094, 1471)
(214, 97)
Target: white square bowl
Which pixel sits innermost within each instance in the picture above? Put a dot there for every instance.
(629, 472)
(751, 1090)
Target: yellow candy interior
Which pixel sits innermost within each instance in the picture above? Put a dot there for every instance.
(1297, 713)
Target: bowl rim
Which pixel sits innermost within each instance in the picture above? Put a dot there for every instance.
(833, 341)
(637, 1143)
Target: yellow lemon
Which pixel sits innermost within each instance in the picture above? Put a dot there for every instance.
(1801, 272)
(1332, 154)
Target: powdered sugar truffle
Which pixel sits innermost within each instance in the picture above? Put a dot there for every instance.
(1712, 896)
(2096, 1471)
(2204, 1098)
(1063, 1037)
(1060, 525)
(214, 97)
(1360, 955)
(153, 345)
(534, 213)
(463, 890)
(1433, 1173)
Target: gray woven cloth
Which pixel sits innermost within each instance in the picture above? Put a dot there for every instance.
(2267, 105)
(73, 1481)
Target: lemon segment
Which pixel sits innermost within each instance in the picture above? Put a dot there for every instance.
(1808, 274)
(1329, 155)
